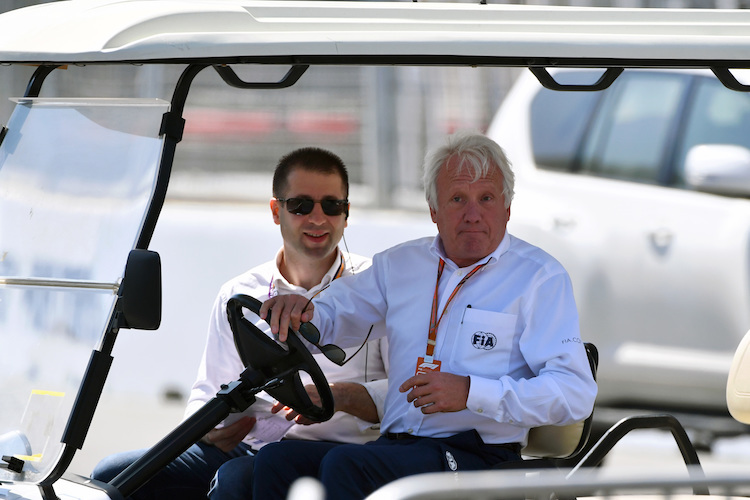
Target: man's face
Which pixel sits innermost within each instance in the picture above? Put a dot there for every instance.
(471, 216)
(315, 235)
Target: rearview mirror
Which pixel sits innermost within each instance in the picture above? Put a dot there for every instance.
(719, 168)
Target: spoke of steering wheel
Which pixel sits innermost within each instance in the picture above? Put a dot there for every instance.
(280, 365)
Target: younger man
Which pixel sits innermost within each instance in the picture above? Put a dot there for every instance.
(310, 188)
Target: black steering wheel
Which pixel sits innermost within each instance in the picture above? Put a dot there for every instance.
(272, 360)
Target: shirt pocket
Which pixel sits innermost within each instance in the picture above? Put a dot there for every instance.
(484, 343)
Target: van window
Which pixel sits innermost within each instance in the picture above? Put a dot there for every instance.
(559, 121)
(717, 116)
(630, 138)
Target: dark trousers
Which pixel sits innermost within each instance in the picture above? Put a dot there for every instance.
(187, 478)
(353, 471)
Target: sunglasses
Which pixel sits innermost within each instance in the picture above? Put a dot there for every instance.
(333, 352)
(303, 206)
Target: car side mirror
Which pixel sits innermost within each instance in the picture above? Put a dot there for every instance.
(719, 168)
(139, 300)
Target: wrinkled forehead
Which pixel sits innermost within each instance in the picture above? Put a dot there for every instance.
(469, 169)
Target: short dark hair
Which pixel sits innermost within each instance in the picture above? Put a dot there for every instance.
(312, 159)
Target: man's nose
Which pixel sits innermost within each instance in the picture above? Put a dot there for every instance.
(472, 212)
(317, 215)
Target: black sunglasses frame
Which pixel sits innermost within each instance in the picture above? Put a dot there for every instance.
(334, 353)
(304, 206)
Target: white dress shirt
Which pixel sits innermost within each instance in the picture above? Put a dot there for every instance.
(512, 328)
(221, 364)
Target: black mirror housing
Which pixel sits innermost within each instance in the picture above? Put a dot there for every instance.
(140, 293)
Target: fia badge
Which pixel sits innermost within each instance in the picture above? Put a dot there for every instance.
(426, 367)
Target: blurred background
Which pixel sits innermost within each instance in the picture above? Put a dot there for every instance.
(379, 120)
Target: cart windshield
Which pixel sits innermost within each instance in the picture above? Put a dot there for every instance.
(76, 179)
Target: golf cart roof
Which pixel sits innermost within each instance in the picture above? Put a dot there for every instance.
(316, 32)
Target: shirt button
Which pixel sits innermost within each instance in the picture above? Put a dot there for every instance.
(479, 410)
(410, 431)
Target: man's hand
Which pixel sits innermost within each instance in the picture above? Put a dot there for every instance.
(226, 438)
(349, 397)
(435, 392)
(293, 415)
(286, 310)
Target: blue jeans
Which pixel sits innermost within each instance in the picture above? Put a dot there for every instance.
(353, 471)
(187, 477)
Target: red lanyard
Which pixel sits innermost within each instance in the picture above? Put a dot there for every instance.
(434, 319)
(340, 272)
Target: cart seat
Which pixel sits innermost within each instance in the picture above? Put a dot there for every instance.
(738, 383)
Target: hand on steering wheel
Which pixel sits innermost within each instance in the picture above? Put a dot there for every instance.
(272, 360)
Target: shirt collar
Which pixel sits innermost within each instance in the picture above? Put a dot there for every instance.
(437, 249)
(279, 283)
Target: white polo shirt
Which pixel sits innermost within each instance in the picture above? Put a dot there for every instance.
(512, 328)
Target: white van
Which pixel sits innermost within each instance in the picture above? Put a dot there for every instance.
(643, 193)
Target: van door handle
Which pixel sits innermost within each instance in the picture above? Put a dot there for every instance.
(563, 222)
(661, 238)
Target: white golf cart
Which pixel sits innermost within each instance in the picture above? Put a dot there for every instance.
(83, 181)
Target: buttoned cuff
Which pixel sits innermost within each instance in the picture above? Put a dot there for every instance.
(484, 397)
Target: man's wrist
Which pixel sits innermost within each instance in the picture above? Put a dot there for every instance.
(353, 398)
(341, 395)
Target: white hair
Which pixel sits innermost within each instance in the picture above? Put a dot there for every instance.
(477, 152)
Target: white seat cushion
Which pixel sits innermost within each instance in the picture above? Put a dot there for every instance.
(738, 383)
(553, 441)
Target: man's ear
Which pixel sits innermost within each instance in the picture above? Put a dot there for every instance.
(274, 204)
(433, 215)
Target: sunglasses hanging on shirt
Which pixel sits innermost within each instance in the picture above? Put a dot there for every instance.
(331, 351)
